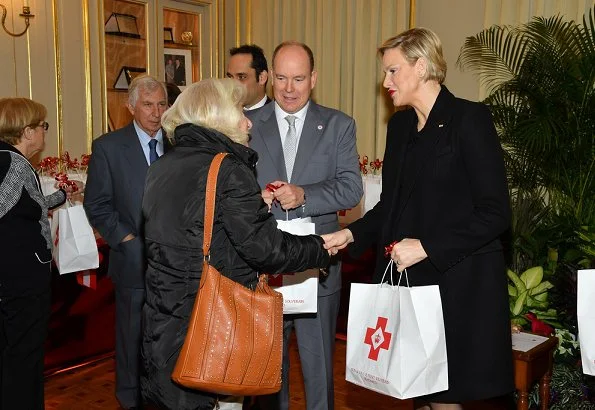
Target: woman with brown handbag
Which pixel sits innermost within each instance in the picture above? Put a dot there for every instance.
(206, 119)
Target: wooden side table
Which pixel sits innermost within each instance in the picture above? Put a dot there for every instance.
(531, 366)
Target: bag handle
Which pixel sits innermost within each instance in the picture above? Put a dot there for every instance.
(210, 203)
(390, 265)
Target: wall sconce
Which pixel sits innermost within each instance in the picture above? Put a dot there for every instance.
(26, 14)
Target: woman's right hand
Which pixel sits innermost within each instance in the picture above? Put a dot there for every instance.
(334, 242)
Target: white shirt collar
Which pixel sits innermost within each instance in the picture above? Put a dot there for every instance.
(144, 138)
(258, 104)
(301, 114)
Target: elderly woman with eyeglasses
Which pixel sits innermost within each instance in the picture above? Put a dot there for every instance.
(25, 254)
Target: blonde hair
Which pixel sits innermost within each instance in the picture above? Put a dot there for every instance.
(419, 43)
(212, 103)
(15, 115)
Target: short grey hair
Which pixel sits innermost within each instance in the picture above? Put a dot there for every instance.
(146, 83)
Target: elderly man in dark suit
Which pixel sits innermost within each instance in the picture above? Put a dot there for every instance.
(113, 199)
(309, 150)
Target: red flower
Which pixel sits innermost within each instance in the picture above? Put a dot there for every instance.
(376, 165)
(64, 182)
(538, 326)
(363, 164)
(85, 158)
(389, 248)
(49, 165)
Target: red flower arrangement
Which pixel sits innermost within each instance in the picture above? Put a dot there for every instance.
(376, 165)
(62, 169)
(365, 166)
(49, 165)
(53, 165)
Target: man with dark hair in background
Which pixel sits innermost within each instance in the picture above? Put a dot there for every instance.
(248, 65)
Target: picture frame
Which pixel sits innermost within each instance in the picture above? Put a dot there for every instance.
(119, 24)
(168, 35)
(177, 66)
(126, 75)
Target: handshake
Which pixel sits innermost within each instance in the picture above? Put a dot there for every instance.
(404, 253)
(334, 242)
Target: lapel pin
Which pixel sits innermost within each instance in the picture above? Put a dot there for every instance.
(440, 125)
(319, 127)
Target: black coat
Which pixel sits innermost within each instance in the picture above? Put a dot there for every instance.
(245, 241)
(446, 186)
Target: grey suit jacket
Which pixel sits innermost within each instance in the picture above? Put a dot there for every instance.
(326, 167)
(113, 201)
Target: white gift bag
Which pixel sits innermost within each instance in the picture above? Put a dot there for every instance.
(395, 339)
(300, 289)
(372, 190)
(75, 248)
(585, 311)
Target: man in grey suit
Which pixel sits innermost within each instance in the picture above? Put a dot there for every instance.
(310, 152)
(113, 200)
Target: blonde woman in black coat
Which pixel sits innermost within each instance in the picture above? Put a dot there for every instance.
(445, 201)
(206, 119)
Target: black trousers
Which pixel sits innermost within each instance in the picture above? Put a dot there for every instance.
(23, 329)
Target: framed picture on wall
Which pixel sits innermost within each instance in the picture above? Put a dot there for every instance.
(126, 75)
(168, 35)
(177, 66)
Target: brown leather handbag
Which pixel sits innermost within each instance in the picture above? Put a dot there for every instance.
(234, 341)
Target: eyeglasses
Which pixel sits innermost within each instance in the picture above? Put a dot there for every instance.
(43, 125)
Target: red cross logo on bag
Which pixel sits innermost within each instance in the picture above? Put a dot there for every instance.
(377, 338)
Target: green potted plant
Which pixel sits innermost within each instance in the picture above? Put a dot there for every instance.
(540, 78)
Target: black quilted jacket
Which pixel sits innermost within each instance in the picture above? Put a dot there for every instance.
(245, 241)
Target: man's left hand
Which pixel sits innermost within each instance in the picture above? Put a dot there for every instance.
(289, 196)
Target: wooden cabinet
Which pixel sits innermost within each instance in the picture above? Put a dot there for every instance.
(123, 51)
(190, 25)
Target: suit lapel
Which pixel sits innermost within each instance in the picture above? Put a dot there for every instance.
(269, 133)
(311, 134)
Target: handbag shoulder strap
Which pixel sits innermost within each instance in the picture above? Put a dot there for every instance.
(210, 202)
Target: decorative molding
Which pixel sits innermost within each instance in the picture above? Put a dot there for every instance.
(249, 21)
(58, 60)
(102, 76)
(88, 79)
(238, 23)
(412, 7)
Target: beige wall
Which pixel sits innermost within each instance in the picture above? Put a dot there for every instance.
(453, 21)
